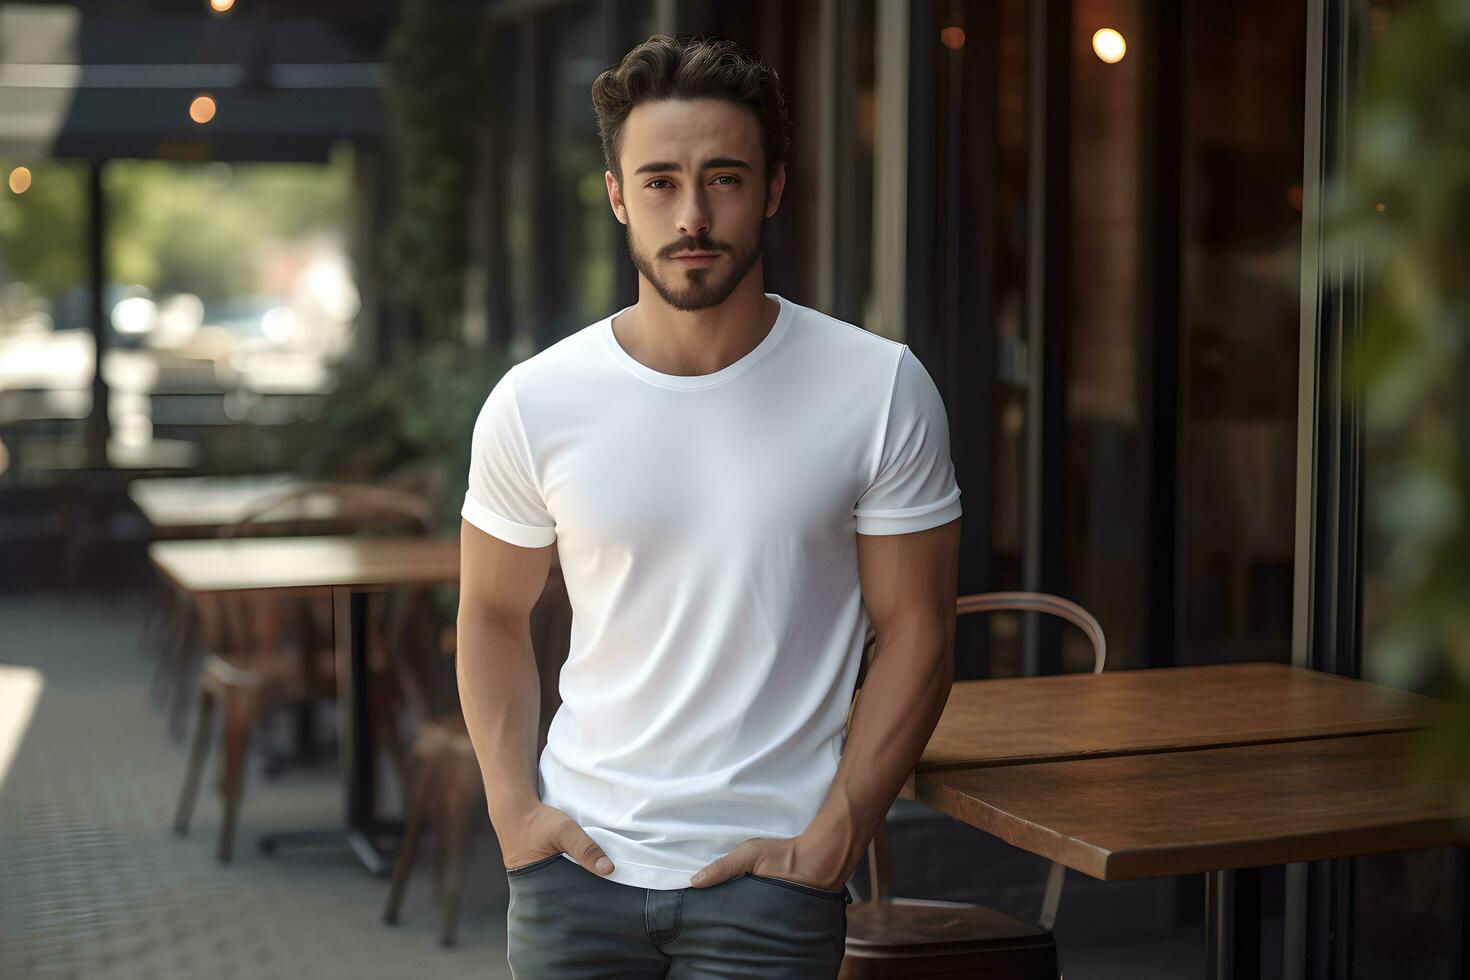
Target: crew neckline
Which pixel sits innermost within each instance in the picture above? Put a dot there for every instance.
(690, 382)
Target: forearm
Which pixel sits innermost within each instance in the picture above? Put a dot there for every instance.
(500, 695)
(901, 701)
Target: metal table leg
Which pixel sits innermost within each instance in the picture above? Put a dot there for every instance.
(365, 834)
(356, 734)
(1462, 913)
(1233, 924)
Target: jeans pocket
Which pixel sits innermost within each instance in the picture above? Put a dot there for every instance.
(526, 868)
(797, 886)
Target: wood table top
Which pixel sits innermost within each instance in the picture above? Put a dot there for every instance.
(1170, 813)
(1071, 716)
(306, 564)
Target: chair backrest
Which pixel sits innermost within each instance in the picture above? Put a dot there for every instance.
(978, 602)
(981, 602)
(985, 602)
(411, 634)
(352, 507)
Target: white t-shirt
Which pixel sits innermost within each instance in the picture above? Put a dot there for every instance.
(707, 529)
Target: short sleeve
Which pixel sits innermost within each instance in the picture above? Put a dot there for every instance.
(503, 498)
(915, 487)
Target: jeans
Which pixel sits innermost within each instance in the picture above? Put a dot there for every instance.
(566, 922)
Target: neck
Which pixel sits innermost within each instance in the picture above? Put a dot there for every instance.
(695, 342)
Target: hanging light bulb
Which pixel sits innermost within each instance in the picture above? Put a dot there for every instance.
(202, 109)
(1109, 45)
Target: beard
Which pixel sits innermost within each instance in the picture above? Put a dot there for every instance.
(700, 287)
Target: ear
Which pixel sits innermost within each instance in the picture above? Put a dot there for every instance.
(615, 197)
(778, 185)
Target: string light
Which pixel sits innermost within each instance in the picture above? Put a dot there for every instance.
(1109, 45)
(202, 109)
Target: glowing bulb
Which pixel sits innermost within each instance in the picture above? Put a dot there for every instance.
(952, 38)
(201, 110)
(1109, 45)
(220, 6)
(20, 180)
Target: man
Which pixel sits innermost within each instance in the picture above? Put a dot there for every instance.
(735, 485)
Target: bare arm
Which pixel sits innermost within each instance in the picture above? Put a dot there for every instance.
(500, 694)
(909, 584)
(499, 689)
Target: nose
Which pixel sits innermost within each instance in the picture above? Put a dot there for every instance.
(694, 215)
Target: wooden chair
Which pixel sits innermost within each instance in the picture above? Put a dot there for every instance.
(257, 664)
(447, 787)
(889, 936)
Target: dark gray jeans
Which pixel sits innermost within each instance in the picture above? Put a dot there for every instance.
(566, 922)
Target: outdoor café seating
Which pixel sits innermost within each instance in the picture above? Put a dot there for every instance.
(270, 651)
(889, 936)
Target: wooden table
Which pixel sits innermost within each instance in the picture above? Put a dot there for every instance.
(1184, 770)
(1176, 813)
(1072, 716)
(347, 569)
(198, 506)
(194, 507)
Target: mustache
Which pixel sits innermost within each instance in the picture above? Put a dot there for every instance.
(673, 250)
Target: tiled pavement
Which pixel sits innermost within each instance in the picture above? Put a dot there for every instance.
(94, 884)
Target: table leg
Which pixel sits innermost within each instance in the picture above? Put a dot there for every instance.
(364, 830)
(1233, 924)
(185, 662)
(1461, 913)
(356, 734)
(176, 620)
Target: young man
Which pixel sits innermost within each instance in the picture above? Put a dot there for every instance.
(735, 485)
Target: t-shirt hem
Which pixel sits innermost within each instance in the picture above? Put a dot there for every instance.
(524, 535)
(910, 519)
(645, 875)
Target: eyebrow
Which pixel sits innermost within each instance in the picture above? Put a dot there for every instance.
(712, 162)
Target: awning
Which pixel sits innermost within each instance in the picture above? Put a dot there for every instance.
(97, 85)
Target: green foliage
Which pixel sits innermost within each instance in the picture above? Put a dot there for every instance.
(418, 410)
(172, 227)
(417, 413)
(435, 93)
(1411, 157)
(43, 232)
(191, 227)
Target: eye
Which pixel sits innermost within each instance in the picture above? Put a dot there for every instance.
(733, 179)
(657, 180)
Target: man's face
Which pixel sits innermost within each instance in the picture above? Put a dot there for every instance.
(693, 182)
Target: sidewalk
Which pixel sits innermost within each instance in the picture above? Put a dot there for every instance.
(96, 884)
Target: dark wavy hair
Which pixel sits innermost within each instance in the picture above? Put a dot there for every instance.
(691, 67)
